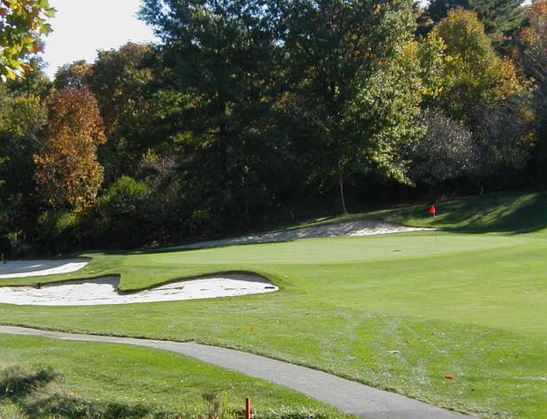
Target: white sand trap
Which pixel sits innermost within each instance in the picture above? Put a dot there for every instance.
(349, 229)
(99, 291)
(24, 268)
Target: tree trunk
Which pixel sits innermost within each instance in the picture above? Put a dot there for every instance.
(223, 146)
(342, 198)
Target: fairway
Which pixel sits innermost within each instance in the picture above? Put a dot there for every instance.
(401, 312)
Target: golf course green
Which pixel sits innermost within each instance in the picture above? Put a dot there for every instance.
(456, 316)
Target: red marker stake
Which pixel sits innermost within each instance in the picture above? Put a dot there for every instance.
(247, 408)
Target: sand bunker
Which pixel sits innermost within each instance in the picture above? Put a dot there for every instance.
(104, 290)
(99, 291)
(349, 228)
(24, 268)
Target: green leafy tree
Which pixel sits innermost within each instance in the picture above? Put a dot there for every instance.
(22, 117)
(342, 57)
(123, 206)
(22, 25)
(35, 81)
(466, 80)
(75, 75)
(133, 111)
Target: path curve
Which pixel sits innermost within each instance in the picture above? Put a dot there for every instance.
(347, 396)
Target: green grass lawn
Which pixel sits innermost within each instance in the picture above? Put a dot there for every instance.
(159, 382)
(398, 311)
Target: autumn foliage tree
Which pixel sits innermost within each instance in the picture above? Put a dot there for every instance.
(68, 174)
(464, 72)
(22, 24)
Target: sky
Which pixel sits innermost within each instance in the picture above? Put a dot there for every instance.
(81, 27)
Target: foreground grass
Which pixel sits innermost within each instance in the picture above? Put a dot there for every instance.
(138, 381)
(402, 312)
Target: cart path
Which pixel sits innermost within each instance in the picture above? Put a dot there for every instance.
(347, 396)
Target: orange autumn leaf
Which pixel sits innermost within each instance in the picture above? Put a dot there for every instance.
(68, 174)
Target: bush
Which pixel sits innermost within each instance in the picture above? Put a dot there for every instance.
(59, 231)
(201, 223)
(124, 213)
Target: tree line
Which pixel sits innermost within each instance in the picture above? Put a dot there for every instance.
(251, 111)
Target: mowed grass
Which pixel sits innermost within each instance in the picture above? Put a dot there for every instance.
(161, 383)
(401, 312)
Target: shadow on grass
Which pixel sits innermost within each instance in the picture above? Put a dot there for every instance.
(38, 395)
(510, 213)
(16, 383)
(501, 213)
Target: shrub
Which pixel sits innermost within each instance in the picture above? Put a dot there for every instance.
(123, 212)
(59, 231)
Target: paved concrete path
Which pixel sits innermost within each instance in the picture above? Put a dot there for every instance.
(347, 396)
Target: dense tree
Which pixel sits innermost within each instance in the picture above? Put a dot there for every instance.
(22, 24)
(498, 16)
(137, 115)
(22, 117)
(465, 78)
(338, 53)
(35, 81)
(447, 151)
(505, 135)
(220, 54)
(124, 205)
(258, 108)
(75, 74)
(533, 58)
(68, 173)
(470, 75)
(534, 44)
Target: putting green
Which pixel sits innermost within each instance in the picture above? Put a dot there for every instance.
(401, 312)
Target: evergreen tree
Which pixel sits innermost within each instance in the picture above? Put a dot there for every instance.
(498, 16)
(220, 54)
